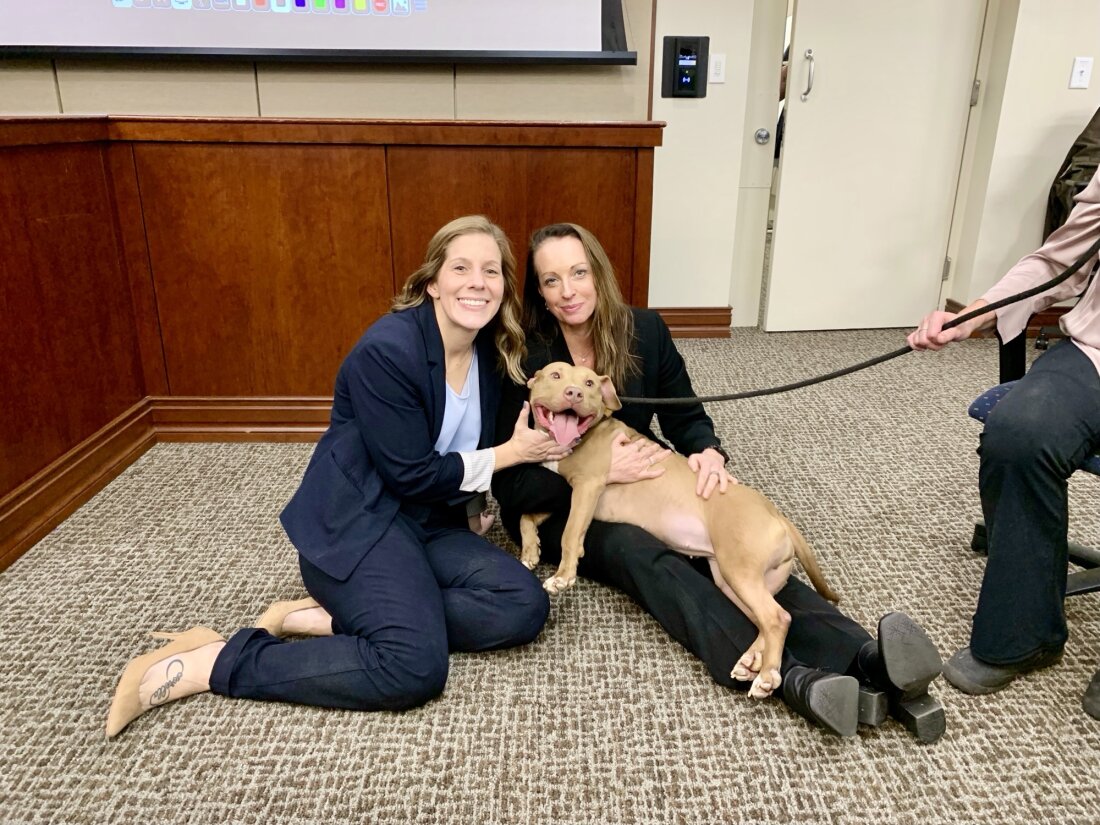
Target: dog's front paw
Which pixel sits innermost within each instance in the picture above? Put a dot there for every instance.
(764, 684)
(747, 667)
(529, 557)
(556, 584)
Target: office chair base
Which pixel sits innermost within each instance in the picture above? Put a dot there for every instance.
(1084, 581)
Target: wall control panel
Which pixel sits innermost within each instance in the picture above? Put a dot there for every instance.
(685, 66)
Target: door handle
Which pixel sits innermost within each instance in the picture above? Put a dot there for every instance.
(810, 78)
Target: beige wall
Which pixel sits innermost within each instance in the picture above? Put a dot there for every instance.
(710, 181)
(167, 87)
(696, 171)
(1030, 118)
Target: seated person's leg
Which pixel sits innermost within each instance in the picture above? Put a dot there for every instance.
(1033, 441)
(389, 650)
(490, 600)
(1036, 437)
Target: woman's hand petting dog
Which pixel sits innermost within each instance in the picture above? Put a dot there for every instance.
(635, 460)
(710, 467)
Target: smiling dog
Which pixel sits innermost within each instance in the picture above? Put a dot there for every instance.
(751, 547)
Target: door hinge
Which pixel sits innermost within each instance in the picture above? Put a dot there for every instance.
(977, 87)
(946, 269)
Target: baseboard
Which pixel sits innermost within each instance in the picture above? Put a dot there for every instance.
(240, 419)
(41, 503)
(38, 505)
(698, 322)
(1047, 318)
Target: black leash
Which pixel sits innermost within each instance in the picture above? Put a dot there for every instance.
(954, 322)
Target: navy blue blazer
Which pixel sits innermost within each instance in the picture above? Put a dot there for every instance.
(378, 455)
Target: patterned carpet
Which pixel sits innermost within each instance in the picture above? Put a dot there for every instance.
(603, 719)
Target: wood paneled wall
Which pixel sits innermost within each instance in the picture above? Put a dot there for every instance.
(202, 279)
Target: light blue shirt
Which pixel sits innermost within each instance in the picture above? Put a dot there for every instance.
(461, 428)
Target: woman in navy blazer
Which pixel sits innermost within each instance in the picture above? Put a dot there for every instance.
(387, 520)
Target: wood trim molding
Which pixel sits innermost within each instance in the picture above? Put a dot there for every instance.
(37, 131)
(240, 419)
(698, 322)
(42, 502)
(549, 134)
(1047, 318)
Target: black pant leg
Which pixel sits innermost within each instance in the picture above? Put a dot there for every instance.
(1036, 437)
(820, 635)
(682, 597)
(664, 583)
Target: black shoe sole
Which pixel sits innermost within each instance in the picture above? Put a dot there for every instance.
(909, 656)
(834, 702)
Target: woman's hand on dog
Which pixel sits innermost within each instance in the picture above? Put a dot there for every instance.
(635, 460)
(529, 445)
(710, 467)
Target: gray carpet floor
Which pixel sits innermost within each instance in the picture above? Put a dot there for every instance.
(603, 719)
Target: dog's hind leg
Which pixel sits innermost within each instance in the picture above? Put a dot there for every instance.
(745, 585)
(529, 534)
(747, 667)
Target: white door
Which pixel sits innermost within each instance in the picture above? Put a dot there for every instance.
(870, 160)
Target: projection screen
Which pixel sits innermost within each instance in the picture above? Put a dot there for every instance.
(480, 31)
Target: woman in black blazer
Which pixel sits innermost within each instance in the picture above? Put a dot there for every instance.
(382, 518)
(574, 312)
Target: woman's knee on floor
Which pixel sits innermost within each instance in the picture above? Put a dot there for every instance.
(408, 674)
(528, 610)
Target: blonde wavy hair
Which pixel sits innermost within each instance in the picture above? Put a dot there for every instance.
(506, 328)
(612, 323)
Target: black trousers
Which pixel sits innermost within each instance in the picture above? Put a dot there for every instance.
(1034, 440)
(681, 595)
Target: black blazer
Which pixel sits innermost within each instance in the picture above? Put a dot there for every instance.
(378, 455)
(531, 488)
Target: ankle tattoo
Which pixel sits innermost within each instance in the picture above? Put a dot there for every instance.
(173, 673)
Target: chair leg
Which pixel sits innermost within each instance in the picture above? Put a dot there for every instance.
(1084, 556)
(1084, 581)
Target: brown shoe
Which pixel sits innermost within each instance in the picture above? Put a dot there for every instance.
(274, 617)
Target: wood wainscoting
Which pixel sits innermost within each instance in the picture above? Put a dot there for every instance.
(196, 279)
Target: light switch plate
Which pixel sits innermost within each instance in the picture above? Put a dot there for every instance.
(717, 68)
(1082, 73)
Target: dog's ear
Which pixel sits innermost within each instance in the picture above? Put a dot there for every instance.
(531, 381)
(610, 397)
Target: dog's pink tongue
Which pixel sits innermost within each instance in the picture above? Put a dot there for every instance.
(565, 429)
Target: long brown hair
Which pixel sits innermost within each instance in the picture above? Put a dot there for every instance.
(612, 324)
(507, 331)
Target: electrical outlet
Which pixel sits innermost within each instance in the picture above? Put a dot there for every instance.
(1082, 73)
(717, 68)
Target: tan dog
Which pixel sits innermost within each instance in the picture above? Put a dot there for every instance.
(750, 545)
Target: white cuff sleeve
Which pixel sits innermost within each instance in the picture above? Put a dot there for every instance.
(479, 466)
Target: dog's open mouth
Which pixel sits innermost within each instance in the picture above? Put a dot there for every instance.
(565, 426)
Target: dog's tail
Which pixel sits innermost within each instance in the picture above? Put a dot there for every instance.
(809, 562)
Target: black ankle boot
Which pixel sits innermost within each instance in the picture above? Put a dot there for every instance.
(902, 664)
(830, 700)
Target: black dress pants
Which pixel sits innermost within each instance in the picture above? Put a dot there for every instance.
(1034, 440)
(681, 595)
